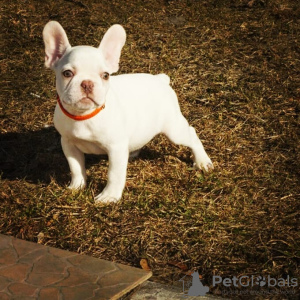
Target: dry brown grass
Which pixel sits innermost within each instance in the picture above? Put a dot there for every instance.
(235, 67)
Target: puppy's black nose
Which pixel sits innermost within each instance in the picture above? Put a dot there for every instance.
(87, 86)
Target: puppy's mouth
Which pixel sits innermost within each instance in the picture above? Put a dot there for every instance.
(88, 101)
(83, 104)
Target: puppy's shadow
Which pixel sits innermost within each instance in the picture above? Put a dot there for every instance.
(33, 155)
(36, 156)
(145, 154)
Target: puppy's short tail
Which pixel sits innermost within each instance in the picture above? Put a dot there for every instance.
(164, 78)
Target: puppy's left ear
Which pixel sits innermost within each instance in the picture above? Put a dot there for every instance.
(111, 46)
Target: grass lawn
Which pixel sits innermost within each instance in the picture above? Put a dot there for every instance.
(235, 67)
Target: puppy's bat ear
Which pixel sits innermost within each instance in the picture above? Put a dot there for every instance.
(56, 43)
(111, 46)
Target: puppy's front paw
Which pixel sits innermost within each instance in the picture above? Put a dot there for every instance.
(77, 184)
(105, 198)
(205, 164)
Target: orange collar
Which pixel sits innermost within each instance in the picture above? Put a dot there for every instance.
(79, 118)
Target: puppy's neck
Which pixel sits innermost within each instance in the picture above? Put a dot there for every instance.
(79, 117)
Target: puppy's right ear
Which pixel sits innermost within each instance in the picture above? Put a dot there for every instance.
(56, 43)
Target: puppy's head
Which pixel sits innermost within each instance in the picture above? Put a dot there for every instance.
(82, 72)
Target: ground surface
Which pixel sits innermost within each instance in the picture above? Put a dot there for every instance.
(235, 67)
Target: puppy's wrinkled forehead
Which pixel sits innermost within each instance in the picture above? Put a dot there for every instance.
(85, 58)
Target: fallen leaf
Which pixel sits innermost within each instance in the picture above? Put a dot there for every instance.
(4, 195)
(40, 237)
(179, 265)
(144, 264)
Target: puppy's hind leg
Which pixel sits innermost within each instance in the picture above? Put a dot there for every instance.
(179, 132)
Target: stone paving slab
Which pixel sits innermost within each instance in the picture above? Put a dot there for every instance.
(33, 271)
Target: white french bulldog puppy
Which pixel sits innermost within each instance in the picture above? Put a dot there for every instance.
(114, 115)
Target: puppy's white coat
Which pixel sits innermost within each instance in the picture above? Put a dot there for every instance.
(137, 107)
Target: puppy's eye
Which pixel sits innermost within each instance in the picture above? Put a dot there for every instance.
(105, 76)
(68, 74)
